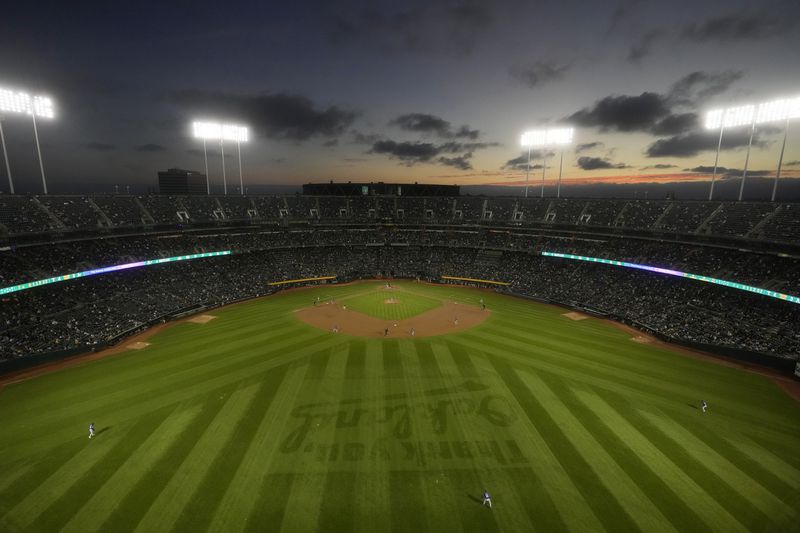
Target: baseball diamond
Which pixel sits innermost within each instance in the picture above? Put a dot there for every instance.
(260, 419)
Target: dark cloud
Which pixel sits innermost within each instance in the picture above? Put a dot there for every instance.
(730, 172)
(660, 114)
(595, 163)
(406, 151)
(699, 85)
(411, 153)
(792, 164)
(431, 124)
(330, 143)
(539, 73)
(521, 162)
(676, 124)
(623, 113)
(365, 138)
(459, 162)
(588, 146)
(659, 166)
(277, 116)
(100, 147)
(643, 46)
(692, 143)
(151, 147)
(771, 20)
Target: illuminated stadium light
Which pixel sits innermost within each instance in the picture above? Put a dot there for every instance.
(216, 131)
(20, 102)
(543, 138)
(23, 103)
(678, 273)
(784, 109)
(106, 270)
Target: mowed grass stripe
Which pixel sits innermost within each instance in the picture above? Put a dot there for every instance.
(425, 430)
(200, 509)
(767, 459)
(478, 431)
(623, 418)
(198, 385)
(191, 374)
(176, 494)
(616, 477)
(95, 512)
(745, 463)
(372, 488)
(681, 375)
(37, 500)
(567, 357)
(663, 396)
(750, 489)
(265, 504)
(63, 507)
(737, 506)
(304, 502)
(678, 497)
(130, 511)
(133, 368)
(339, 509)
(604, 504)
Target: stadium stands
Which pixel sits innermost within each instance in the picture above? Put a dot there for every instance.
(364, 237)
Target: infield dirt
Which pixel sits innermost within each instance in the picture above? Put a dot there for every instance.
(450, 317)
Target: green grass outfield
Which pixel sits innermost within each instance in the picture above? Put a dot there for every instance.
(258, 422)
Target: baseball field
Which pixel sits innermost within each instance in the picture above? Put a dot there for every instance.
(291, 414)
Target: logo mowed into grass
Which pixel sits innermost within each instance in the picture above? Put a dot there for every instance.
(391, 305)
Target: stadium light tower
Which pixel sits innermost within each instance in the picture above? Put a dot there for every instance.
(221, 132)
(24, 104)
(777, 110)
(544, 139)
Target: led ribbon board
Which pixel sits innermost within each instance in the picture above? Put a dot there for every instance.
(725, 283)
(106, 270)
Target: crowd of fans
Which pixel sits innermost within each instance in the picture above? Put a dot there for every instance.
(93, 310)
(760, 221)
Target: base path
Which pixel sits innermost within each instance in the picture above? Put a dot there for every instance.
(439, 321)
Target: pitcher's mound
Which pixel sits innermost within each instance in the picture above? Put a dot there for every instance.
(201, 319)
(391, 301)
(576, 316)
(449, 318)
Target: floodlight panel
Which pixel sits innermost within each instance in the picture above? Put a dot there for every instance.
(739, 116)
(559, 136)
(232, 132)
(714, 119)
(526, 139)
(207, 130)
(21, 102)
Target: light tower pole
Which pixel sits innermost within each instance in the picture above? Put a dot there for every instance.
(5, 157)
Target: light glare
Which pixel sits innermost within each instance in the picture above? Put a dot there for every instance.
(23, 103)
(220, 132)
(548, 137)
(782, 109)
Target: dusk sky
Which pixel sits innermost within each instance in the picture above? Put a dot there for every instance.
(429, 91)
